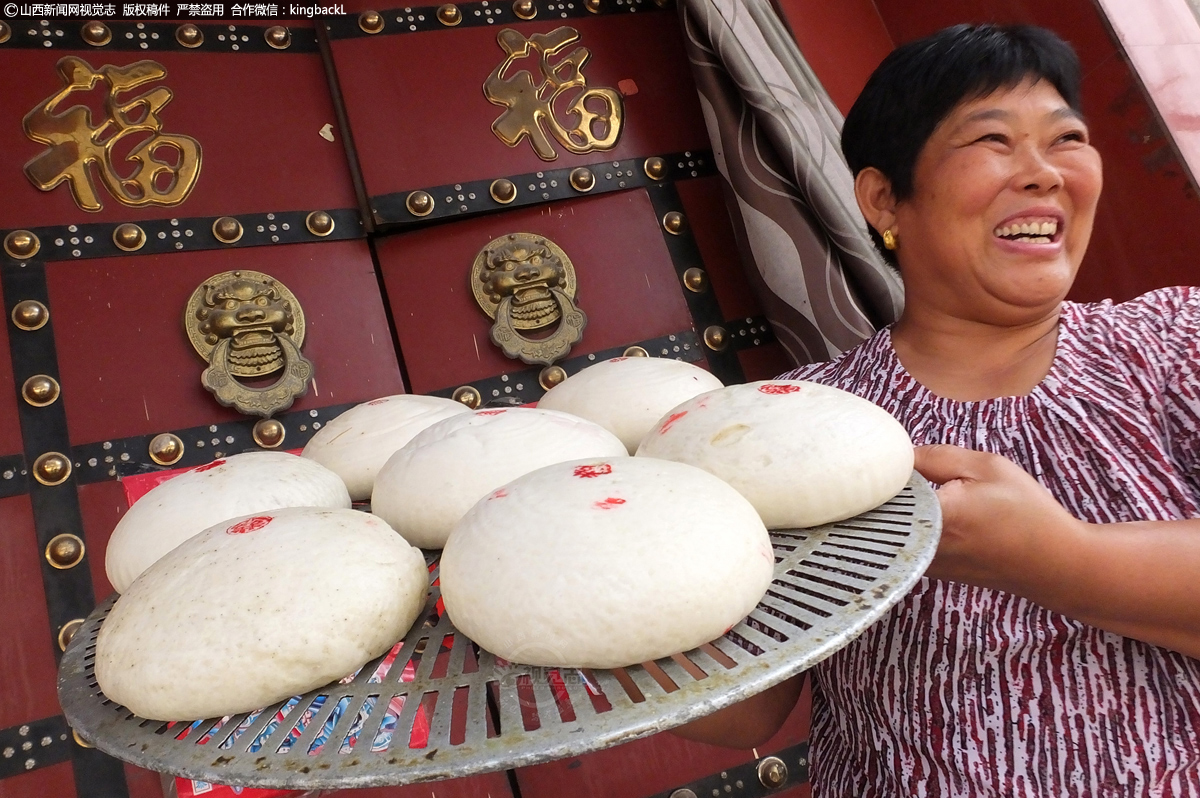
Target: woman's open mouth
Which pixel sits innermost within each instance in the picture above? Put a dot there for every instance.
(1030, 230)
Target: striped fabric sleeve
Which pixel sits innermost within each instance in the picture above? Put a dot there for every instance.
(1181, 394)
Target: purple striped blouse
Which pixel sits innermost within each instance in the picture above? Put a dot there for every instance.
(964, 691)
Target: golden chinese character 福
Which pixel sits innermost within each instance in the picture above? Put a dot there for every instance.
(160, 168)
(531, 106)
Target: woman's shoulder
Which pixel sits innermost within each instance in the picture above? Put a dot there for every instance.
(1170, 311)
(856, 367)
(1155, 336)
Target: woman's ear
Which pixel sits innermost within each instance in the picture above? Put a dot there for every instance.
(873, 191)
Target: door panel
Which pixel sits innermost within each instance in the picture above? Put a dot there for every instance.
(627, 284)
(27, 669)
(132, 371)
(257, 118)
(408, 93)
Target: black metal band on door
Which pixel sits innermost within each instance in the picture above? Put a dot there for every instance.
(772, 774)
(68, 590)
(702, 304)
(192, 234)
(34, 745)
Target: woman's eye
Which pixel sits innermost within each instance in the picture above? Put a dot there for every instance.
(1074, 135)
(997, 137)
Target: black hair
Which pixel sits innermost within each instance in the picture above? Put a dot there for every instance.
(918, 84)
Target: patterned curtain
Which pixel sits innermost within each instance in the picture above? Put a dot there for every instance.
(775, 136)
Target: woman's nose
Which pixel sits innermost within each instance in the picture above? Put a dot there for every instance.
(1036, 172)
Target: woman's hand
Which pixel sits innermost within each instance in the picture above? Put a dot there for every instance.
(1000, 527)
(1003, 530)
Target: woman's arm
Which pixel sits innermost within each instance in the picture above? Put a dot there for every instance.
(1003, 530)
(750, 723)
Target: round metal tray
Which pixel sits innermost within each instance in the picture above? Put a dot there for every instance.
(439, 707)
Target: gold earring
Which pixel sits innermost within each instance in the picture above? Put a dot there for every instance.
(889, 239)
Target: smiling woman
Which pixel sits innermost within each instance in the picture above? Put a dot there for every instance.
(997, 167)
(1051, 650)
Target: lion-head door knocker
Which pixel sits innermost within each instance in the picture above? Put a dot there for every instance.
(247, 324)
(526, 282)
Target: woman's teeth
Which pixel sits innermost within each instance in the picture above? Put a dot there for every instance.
(1030, 232)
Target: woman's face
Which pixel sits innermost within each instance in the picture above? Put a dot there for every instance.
(1004, 195)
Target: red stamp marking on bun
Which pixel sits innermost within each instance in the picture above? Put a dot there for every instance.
(670, 422)
(500, 494)
(609, 503)
(590, 471)
(774, 388)
(489, 412)
(210, 466)
(374, 402)
(249, 525)
(616, 359)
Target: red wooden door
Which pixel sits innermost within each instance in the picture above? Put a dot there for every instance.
(309, 159)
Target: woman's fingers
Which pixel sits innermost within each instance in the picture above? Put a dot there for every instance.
(941, 463)
(997, 520)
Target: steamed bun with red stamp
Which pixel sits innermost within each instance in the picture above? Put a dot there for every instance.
(356, 444)
(257, 609)
(628, 395)
(426, 487)
(803, 454)
(193, 501)
(605, 563)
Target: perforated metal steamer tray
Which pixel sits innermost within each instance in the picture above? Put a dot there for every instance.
(437, 706)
